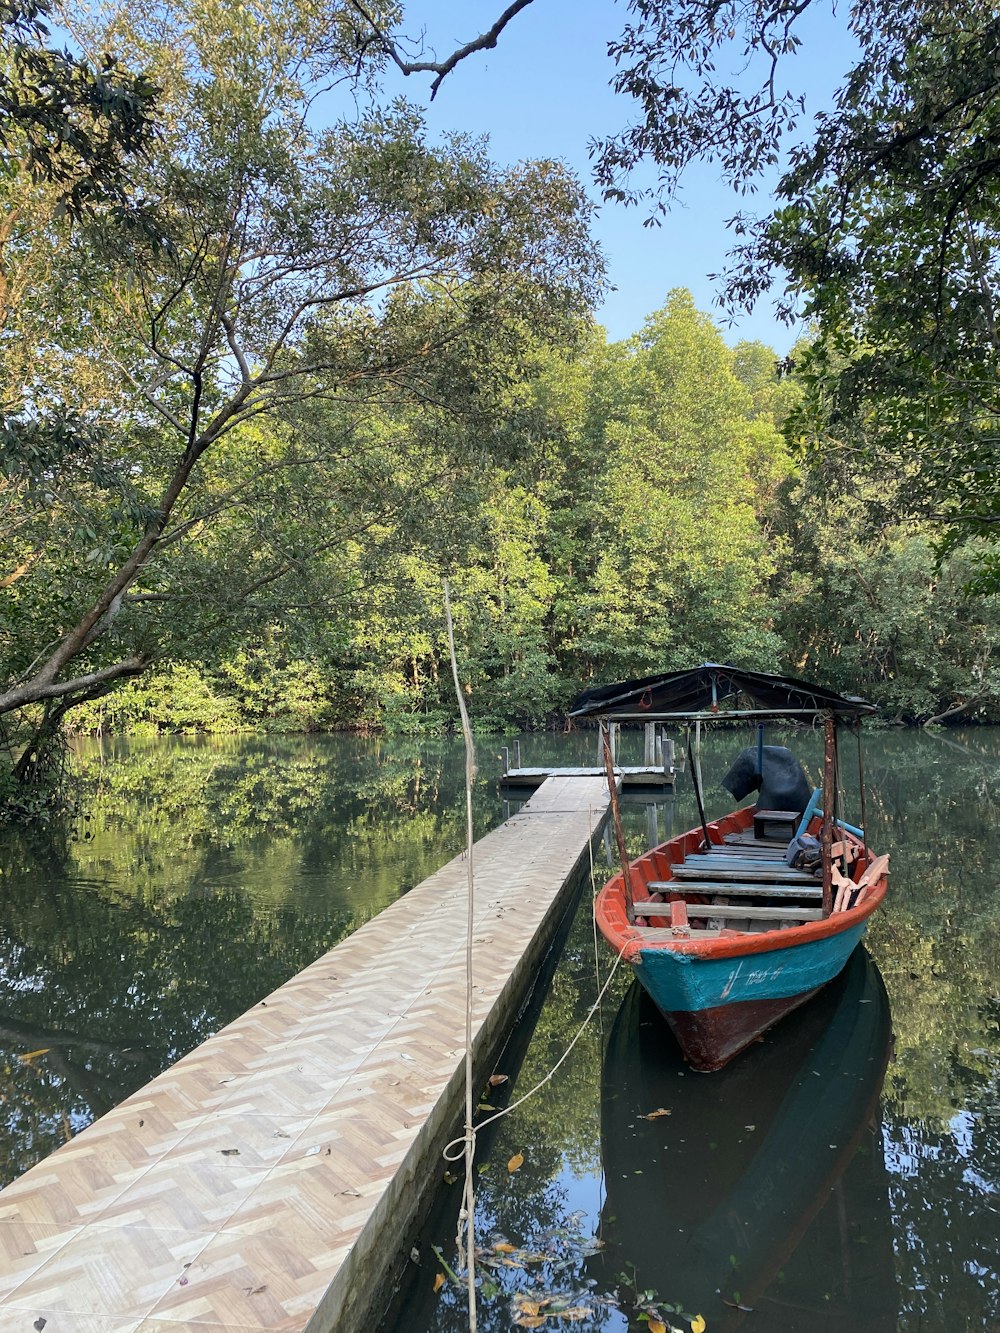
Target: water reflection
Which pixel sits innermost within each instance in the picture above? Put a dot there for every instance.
(199, 875)
(208, 871)
(762, 1186)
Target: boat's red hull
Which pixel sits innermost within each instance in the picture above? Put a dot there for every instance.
(710, 1038)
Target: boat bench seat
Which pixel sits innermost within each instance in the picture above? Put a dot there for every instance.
(782, 874)
(736, 890)
(740, 911)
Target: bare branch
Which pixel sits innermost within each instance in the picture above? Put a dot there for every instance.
(441, 68)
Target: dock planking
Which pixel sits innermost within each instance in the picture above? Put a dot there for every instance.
(270, 1179)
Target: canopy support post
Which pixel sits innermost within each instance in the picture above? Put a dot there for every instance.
(829, 808)
(616, 820)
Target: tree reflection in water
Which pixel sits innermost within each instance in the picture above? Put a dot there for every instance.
(201, 875)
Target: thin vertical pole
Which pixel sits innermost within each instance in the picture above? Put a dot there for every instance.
(829, 808)
(468, 1197)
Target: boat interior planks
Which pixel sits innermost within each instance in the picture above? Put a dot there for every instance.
(782, 874)
(737, 890)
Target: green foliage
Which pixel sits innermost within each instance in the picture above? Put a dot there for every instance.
(322, 320)
(664, 552)
(881, 613)
(74, 126)
(884, 230)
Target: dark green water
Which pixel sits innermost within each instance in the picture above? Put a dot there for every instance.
(796, 1183)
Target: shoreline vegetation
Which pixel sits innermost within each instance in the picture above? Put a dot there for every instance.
(651, 512)
(277, 360)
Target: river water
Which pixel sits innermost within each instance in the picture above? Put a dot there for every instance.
(843, 1174)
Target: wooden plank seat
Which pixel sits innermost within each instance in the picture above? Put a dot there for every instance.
(753, 913)
(769, 851)
(748, 840)
(741, 854)
(740, 912)
(777, 874)
(736, 890)
(734, 862)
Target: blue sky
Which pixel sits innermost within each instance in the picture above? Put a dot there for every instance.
(543, 92)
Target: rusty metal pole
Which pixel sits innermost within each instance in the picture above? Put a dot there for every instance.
(616, 820)
(829, 808)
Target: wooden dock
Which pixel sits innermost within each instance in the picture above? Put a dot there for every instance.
(656, 772)
(630, 776)
(273, 1178)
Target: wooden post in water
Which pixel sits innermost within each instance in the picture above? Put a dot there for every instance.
(616, 819)
(829, 808)
(652, 826)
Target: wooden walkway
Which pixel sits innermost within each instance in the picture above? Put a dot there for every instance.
(271, 1179)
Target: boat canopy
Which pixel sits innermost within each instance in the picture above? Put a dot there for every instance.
(702, 691)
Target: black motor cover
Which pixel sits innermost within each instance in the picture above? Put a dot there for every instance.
(783, 785)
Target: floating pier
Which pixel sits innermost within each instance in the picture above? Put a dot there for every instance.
(657, 771)
(273, 1178)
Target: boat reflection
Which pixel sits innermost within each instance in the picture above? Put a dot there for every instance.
(765, 1185)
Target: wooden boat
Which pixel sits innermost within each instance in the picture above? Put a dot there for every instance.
(722, 931)
(763, 1188)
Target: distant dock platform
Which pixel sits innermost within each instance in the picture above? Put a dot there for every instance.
(273, 1178)
(630, 776)
(658, 770)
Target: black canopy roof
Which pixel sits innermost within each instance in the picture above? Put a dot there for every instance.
(703, 689)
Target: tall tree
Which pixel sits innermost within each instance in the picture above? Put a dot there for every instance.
(660, 505)
(282, 264)
(884, 224)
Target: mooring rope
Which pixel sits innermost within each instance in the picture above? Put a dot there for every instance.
(451, 1156)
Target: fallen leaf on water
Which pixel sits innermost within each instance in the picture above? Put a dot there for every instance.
(504, 1247)
(576, 1312)
(525, 1305)
(438, 1282)
(497, 1079)
(30, 1055)
(655, 1115)
(655, 1326)
(697, 1324)
(516, 1162)
(511, 1263)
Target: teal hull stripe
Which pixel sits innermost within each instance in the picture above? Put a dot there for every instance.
(683, 981)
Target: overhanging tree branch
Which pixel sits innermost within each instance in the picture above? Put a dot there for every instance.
(440, 68)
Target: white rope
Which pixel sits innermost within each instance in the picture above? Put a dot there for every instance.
(451, 1156)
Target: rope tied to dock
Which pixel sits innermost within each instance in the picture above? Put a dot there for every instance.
(450, 1155)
